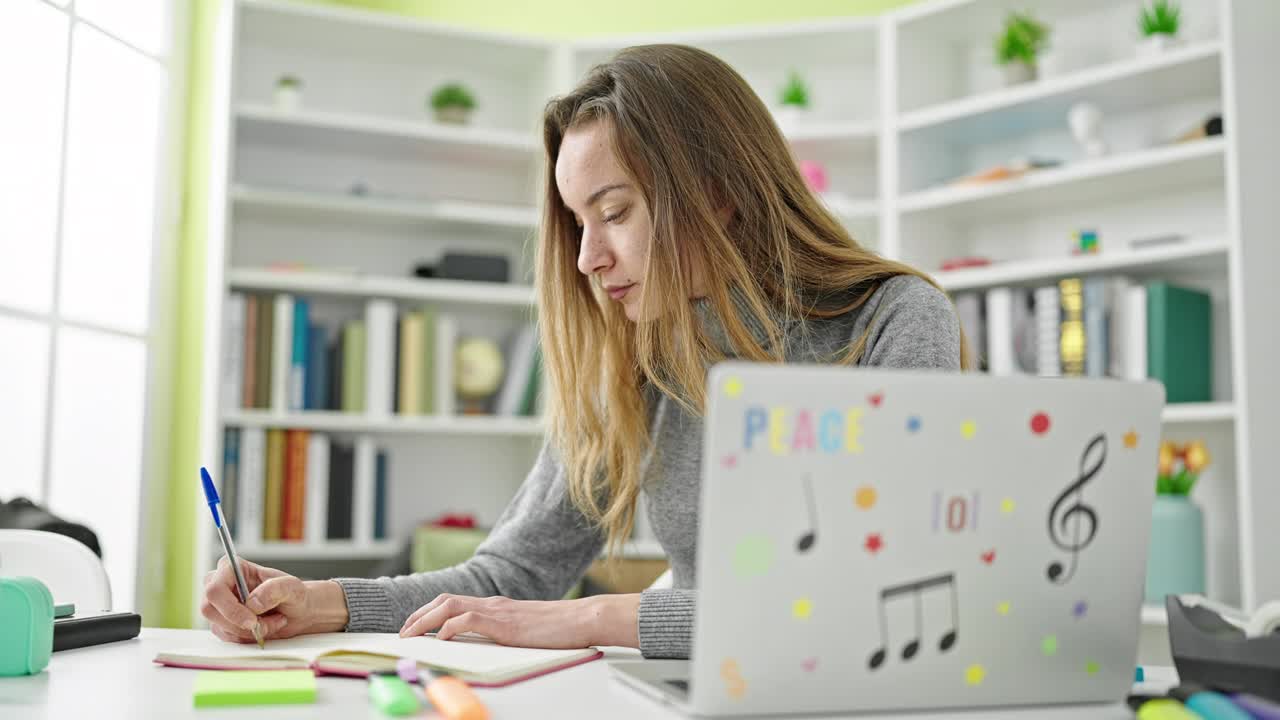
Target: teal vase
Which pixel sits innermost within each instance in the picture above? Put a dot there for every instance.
(1175, 563)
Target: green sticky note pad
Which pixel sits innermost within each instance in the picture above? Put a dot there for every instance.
(224, 688)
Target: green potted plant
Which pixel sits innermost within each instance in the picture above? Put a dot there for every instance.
(453, 103)
(1175, 562)
(1159, 22)
(793, 100)
(1018, 46)
(288, 92)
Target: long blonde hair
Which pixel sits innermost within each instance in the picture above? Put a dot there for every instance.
(695, 139)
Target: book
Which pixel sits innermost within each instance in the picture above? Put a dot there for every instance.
(1000, 353)
(446, 343)
(297, 395)
(380, 322)
(281, 353)
(249, 394)
(1096, 338)
(230, 476)
(1048, 317)
(1071, 339)
(471, 658)
(265, 349)
(353, 358)
(519, 363)
(1179, 342)
(315, 523)
(274, 493)
(410, 368)
(335, 353)
(428, 363)
(363, 490)
(1135, 345)
(261, 687)
(232, 387)
(293, 501)
(317, 375)
(1026, 335)
(380, 497)
(341, 492)
(251, 494)
(529, 406)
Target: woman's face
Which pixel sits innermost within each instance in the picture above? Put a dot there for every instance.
(611, 214)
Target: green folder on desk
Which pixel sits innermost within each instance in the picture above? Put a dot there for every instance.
(227, 688)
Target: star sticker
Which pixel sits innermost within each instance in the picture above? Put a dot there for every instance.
(873, 543)
(1131, 439)
(1080, 609)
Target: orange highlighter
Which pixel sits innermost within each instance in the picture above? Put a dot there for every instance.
(452, 698)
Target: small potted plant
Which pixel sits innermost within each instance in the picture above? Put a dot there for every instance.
(288, 94)
(1159, 23)
(793, 101)
(1175, 563)
(1018, 46)
(452, 104)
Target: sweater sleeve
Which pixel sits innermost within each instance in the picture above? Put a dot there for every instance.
(539, 547)
(914, 326)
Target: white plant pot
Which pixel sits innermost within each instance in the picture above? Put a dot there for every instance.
(790, 117)
(1153, 45)
(1017, 73)
(288, 98)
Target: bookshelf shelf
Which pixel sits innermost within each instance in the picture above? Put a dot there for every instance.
(395, 425)
(826, 133)
(1142, 172)
(330, 550)
(302, 203)
(1119, 86)
(1190, 255)
(853, 208)
(1154, 615)
(1189, 413)
(345, 284)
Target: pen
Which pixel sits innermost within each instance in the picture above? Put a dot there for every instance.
(211, 496)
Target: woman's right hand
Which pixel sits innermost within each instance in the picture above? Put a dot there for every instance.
(280, 604)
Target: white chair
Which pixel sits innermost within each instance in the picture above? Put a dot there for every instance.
(70, 570)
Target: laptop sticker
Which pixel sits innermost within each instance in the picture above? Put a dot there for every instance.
(753, 556)
(1049, 645)
(975, 674)
(732, 387)
(1040, 423)
(989, 556)
(873, 543)
(955, 513)
(1080, 609)
(809, 664)
(730, 461)
(1091, 667)
(734, 685)
(802, 608)
(968, 429)
(913, 424)
(875, 399)
(782, 434)
(1007, 505)
(805, 543)
(865, 497)
(1004, 608)
(915, 591)
(1131, 440)
(1072, 523)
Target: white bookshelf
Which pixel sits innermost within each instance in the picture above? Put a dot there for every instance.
(903, 105)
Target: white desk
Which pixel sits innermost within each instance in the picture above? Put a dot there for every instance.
(119, 681)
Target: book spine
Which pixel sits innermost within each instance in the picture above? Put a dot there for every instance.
(1071, 338)
(275, 486)
(1135, 347)
(409, 346)
(232, 387)
(282, 353)
(1048, 319)
(427, 366)
(252, 495)
(317, 380)
(341, 484)
(230, 477)
(295, 485)
(250, 387)
(1095, 327)
(520, 359)
(532, 403)
(298, 355)
(380, 497)
(362, 500)
(317, 520)
(266, 348)
(446, 343)
(380, 319)
(336, 366)
(353, 342)
(1000, 359)
(1117, 325)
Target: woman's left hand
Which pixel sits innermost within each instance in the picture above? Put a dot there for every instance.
(596, 620)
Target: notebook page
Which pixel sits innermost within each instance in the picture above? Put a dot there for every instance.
(305, 648)
(471, 656)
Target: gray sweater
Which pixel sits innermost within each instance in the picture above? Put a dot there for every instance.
(542, 545)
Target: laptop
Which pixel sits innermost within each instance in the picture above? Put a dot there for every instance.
(883, 540)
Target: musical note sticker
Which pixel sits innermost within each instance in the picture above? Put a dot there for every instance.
(805, 543)
(1073, 523)
(916, 589)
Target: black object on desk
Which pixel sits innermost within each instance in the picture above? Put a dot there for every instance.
(83, 631)
(1207, 650)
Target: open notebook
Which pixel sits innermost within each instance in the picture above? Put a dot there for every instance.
(478, 661)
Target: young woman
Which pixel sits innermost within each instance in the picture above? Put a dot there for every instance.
(676, 232)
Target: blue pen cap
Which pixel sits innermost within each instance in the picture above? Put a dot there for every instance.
(210, 496)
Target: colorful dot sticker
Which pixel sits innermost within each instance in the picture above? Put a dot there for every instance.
(913, 424)
(733, 387)
(1131, 439)
(989, 557)
(1040, 423)
(1080, 609)
(734, 685)
(875, 399)
(1004, 608)
(975, 674)
(801, 608)
(968, 428)
(1091, 667)
(753, 556)
(1049, 645)
(1007, 505)
(809, 664)
(729, 461)
(874, 543)
(865, 497)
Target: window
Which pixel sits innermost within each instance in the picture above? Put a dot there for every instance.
(83, 137)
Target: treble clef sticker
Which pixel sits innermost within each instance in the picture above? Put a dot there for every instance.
(1072, 523)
